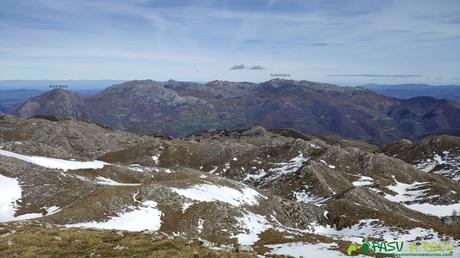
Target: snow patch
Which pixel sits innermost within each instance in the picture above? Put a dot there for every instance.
(200, 227)
(450, 162)
(147, 216)
(306, 197)
(406, 192)
(435, 210)
(363, 180)
(253, 224)
(55, 163)
(373, 228)
(107, 181)
(49, 211)
(11, 192)
(136, 167)
(301, 249)
(255, 177)
(410, 194)
(186, 205)
(284, 168)
(156, 159)
(211, 193)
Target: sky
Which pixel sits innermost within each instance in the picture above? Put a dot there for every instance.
(344, 42)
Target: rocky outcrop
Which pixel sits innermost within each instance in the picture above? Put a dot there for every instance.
(435, 154)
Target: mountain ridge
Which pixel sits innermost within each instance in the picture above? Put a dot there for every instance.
(405, 91)
(180, 108)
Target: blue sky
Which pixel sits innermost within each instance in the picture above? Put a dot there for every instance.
(344, 42)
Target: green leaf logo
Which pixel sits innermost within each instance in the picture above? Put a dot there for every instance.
(365, 247)
(352, 248)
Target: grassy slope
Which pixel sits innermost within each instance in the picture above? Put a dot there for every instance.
(32, 239)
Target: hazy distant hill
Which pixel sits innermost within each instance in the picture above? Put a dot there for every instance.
(14, 92)
(44, 84)
(405, 91)
(180, 108)
(11, 99)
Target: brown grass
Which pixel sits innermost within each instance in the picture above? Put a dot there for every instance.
(33, 239)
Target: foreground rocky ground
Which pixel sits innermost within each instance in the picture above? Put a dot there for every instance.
(34, 239)
(266, 192)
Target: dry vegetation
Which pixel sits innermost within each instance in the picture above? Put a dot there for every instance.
(34, 239)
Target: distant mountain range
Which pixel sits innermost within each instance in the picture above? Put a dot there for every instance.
(180, 108)
(405, 91)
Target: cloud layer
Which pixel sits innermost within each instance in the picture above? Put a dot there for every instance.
(117, 39)
(243, 67)
(403, 76)
(238, 67)
(257, 67)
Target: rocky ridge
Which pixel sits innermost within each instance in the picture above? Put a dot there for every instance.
(181, 108)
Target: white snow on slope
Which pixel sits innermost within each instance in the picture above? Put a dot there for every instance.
(435, 210)
(200, 226)
(136, 167)
(255, 177)
(373, 228)
(324, 162)
(156, 159)
(428, 164)
(301, 249)
(406, 194)
(211, 193)
(107, 181)
(363, 180)
(306, 197)
(253, 224)
(11, 191)
(147, 216)
(283, 168)
(49, 211)
(451, 162)
(55, 163)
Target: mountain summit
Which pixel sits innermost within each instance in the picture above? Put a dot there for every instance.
(55, 102)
